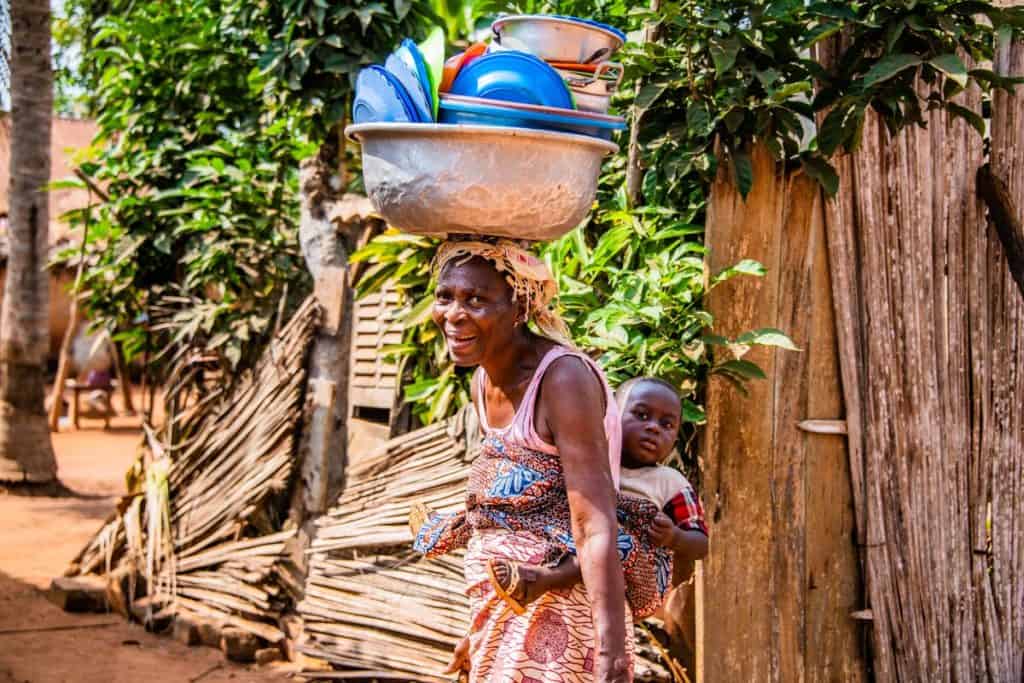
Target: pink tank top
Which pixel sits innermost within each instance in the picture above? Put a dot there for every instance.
(522, 431)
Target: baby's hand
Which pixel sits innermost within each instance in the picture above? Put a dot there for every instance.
(662, 530)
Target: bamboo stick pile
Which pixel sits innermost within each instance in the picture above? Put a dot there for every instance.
(371, 604)
(228, 482)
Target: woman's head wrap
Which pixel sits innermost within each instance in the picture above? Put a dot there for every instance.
(531, 280)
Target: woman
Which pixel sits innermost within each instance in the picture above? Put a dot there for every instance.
(550, 453)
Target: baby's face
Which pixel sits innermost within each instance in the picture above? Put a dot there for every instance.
(650, 424)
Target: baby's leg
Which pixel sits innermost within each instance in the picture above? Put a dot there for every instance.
(565, 574)
(524, 583)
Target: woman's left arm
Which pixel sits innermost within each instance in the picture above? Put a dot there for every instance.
(572, 408)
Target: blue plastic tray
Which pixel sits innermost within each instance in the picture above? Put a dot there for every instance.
(456, 110)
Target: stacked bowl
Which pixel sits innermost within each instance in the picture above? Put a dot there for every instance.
(502, 139)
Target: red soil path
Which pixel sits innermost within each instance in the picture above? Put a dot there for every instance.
(39, 535)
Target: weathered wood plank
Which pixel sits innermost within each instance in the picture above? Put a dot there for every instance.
(736, 447)
(783, 560)
(779, 500)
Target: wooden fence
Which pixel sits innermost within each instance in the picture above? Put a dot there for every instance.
(929, 328)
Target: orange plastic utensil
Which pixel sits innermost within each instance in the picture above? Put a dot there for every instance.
(571, 66)
(455, 63)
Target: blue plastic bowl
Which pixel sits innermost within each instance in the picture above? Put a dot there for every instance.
(410, 53)
(513, 76)
(381, 98)
(420, 98)
(490, 113)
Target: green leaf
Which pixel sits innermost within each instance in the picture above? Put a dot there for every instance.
(767, 336)
(741, 369)
(744, 267)
(693, 413)
(420, 313)
(724, 53)
(834, 130)
(888, 67)
(951, 65)
(821, 32)
(66, 184)
(835, 10)
(971, 117)
(743, 173)
(402, 8)
(698, 119)
(790, 90)
(821, 171)
(649, 94)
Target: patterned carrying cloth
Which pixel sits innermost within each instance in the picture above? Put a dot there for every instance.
(516, 489)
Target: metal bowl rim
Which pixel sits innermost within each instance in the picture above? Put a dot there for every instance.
(496, 24)
(353, 132)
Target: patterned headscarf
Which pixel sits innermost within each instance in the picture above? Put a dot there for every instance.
(531, 281)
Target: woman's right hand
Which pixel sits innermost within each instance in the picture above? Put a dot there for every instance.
(611, 669)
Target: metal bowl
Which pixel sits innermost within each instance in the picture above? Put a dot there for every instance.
(435, 179)
(556, 39)
(593, 92)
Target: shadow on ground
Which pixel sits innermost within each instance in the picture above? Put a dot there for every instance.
(40, 643)
(55, 489)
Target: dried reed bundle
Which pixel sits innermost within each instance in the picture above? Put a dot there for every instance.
(370, 603)
(202, 532)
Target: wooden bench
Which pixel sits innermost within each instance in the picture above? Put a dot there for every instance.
(77, 388)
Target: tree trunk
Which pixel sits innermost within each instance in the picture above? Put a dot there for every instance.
(26, 453)
(324, 445)
(634, 164)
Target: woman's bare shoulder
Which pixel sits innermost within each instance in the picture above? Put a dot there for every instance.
(571, 383)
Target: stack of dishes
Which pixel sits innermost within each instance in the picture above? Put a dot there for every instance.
(401, 91)
(457, 146)
(551, 62)
(579, 49)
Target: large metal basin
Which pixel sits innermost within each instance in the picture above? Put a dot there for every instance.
(438, 179)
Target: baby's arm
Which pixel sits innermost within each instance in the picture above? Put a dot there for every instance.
(687, 544)
(682, 529)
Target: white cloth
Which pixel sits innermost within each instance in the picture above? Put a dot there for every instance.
(658, 484)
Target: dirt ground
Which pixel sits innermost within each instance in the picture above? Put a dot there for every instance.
(40, 643)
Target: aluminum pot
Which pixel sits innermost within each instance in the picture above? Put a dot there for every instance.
(557, 39)
(593, 92)
(436, 179)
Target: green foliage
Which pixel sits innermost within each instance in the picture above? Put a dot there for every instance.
(312, 50)
(633, 293)
(198, 237)
(721, 75)
(731, 72)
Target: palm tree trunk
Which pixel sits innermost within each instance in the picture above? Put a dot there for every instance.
(26, 453)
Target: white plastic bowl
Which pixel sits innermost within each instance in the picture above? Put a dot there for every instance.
(437, 179)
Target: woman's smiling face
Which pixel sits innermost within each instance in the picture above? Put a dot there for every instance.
(473, 307)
